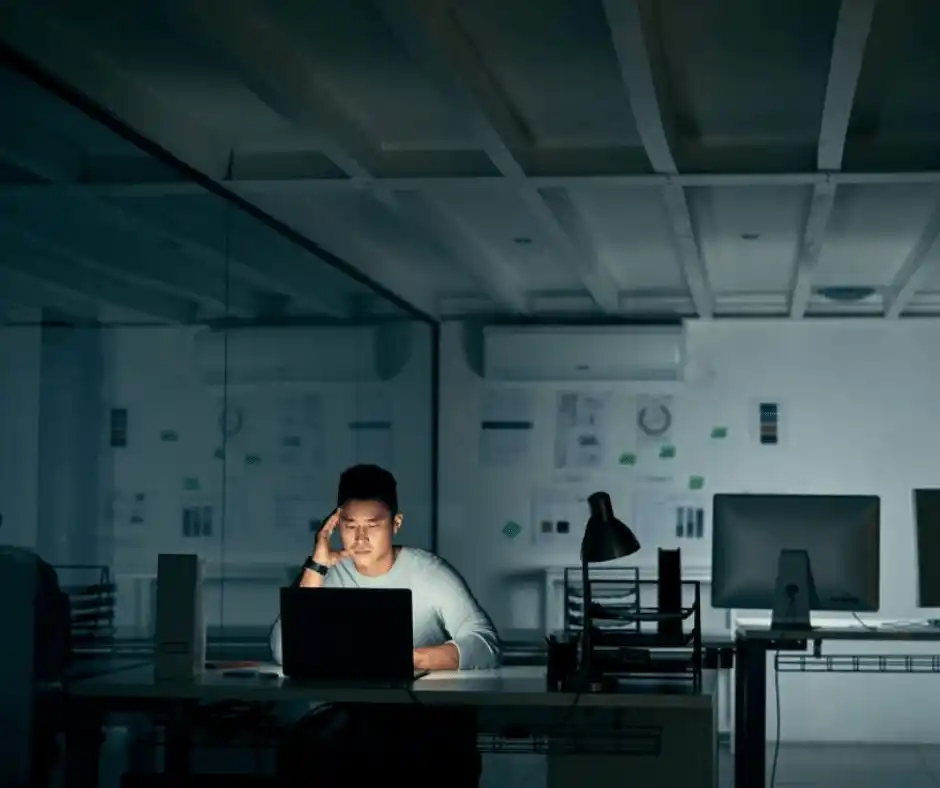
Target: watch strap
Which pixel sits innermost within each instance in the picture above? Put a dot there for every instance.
(320, 569)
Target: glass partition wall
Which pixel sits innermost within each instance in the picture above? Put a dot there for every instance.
(181, 375)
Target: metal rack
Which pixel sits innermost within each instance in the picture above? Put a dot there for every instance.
(857, 663)
(631, 636)
(616, 589)
(92, 597)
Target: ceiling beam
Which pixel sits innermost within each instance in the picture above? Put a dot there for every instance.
(921, 263)
(284, 79)
(433, 36)
(636, 70)
(30, 28)
(212, 255)
(33, 152)
(280, 75)
(848, 51)
(810, 246)
(845, 67)
(23, 290)
(503, 284)
(300, 186)
(34, 256)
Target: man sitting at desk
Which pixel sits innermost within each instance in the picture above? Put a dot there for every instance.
(451, 630)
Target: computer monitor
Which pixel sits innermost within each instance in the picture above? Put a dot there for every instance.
(927, 525)
(795, 553)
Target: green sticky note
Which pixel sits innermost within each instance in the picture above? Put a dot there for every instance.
(252, 459)
(696, 482)
(512, 529)
(191, 483)
(667, 451)
(627, 459)
(719, 433)
(169, 436)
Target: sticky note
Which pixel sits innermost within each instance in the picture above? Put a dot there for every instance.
(191, 483)
(169, 435)
(696, 482)
(719, 433)
(512, 529)
(627, 459)
(667, 451)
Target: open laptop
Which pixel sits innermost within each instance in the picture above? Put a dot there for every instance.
(348, 634)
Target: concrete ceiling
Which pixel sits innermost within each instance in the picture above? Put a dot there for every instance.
(647, 158)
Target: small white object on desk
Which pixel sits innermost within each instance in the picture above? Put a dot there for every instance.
(180, 631)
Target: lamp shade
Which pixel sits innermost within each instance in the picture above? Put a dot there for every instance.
(605, 537)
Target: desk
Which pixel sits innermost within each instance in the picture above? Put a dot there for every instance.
(658, 733)
(752, 645)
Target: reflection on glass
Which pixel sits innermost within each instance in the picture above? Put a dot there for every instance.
(178, 376)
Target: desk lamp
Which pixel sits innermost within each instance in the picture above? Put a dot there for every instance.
(605, 539)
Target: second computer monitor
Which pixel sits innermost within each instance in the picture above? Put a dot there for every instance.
(927, 523)
(805, 552)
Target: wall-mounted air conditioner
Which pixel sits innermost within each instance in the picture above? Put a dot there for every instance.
(262, 355)
(608, 353)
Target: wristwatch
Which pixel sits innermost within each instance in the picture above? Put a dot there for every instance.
(319, 568)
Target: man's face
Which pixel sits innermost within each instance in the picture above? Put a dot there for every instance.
(366, 529)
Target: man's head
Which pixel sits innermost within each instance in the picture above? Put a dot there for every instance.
(369, 518)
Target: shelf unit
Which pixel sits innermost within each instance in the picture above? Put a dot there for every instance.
(92, 597)
(631, 636)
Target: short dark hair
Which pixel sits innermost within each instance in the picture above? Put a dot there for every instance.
(368, 483)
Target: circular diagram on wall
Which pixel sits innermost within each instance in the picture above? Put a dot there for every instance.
(654, 418)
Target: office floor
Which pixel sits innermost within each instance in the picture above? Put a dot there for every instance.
(799, 766)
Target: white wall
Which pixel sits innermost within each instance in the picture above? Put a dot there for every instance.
(858, 402)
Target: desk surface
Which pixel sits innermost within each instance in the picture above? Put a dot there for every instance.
(508, 686)
(897, 631)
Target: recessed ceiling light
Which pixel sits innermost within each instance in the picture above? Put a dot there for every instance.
(750, 236)
(522, 240)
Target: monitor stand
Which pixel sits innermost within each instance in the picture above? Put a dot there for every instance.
(793, 591)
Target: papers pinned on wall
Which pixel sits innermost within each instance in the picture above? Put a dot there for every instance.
(559, 515)
(371, 429)
(654, 419)
(581, 430)
(667, 516)
(301, 442)
(507, 421)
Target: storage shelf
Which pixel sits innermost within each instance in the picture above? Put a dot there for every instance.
(858, 663)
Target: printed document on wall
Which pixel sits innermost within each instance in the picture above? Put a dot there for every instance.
(507, 421)
(301, 431)
(581, 430)
(371, 428)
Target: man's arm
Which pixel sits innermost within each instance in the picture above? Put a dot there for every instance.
(474, 643)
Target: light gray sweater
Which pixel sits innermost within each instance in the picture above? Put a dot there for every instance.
(443, 608)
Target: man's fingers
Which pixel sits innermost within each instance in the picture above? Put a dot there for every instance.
(326, 530)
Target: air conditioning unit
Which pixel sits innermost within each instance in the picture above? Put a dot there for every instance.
(608, 353)
(262, 355)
